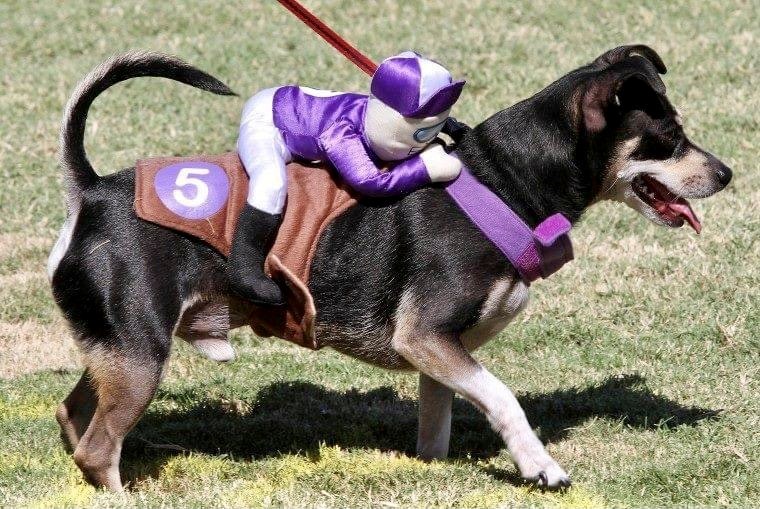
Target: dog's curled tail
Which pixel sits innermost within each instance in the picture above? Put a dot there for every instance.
(78, 171)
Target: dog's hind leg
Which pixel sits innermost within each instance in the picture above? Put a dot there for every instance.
(443, 358)
(124, 383)
(75, 413)
(434, 419)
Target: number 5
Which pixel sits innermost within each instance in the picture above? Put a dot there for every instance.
(201, 188)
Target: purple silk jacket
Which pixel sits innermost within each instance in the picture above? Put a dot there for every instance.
(331, 128)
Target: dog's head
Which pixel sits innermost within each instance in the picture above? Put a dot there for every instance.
(635, 138)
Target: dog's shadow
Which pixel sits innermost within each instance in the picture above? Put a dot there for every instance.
(298, 417)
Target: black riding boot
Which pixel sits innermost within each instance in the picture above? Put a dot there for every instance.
(254, 235)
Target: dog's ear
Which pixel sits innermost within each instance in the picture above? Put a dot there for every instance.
(621, 53)
(625, 86)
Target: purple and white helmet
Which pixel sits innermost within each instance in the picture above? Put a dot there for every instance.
(415, 86)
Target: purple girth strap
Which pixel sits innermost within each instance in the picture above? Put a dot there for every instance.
(534, 253)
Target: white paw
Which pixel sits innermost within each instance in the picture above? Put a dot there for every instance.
(537, 466)
(549, 475)
(545, 472)
(218, 350)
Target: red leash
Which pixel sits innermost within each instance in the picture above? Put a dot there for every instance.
(455, 129)
(328, 34)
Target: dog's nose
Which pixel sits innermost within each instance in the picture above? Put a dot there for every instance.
(724, 174)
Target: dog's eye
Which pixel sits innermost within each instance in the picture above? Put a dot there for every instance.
(426, 134)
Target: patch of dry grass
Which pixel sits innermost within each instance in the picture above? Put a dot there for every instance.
(28, 347)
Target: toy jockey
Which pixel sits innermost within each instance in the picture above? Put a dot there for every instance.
(410, 100)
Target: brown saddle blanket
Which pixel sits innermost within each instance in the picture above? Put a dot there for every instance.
(202, 196)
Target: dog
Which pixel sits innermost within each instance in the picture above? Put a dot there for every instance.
(405, 284)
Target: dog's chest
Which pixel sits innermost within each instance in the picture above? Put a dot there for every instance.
(505, 300)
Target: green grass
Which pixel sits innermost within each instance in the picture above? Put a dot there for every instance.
(638, 363)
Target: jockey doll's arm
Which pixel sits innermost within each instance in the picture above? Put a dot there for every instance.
(344, 148)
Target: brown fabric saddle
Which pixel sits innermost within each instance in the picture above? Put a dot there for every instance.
(315, 198)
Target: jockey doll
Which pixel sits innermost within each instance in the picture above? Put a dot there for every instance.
(410, 100)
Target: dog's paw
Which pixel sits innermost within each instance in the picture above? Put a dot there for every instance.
(218, 350)
(551, 476)
(543, 471)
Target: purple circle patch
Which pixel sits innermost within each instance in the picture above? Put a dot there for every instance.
(192, 189)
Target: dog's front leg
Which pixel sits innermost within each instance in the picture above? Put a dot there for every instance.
(434, 419)
(444, 359)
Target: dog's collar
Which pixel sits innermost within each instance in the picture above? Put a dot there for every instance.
(534, 253)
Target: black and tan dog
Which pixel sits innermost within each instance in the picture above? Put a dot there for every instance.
(402, 284)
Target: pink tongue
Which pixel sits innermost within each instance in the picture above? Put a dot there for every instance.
(683, 209)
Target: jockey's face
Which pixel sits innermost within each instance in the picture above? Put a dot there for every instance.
(393, 137)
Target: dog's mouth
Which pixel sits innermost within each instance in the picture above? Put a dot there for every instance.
(672, 209)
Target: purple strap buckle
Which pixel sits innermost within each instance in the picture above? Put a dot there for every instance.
(554, 246)
(534, 253)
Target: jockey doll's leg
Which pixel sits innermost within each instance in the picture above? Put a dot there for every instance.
(264, 155)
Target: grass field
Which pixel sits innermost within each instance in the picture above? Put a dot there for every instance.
(638, 363)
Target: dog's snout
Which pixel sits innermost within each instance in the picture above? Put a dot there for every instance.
(721, 173)
(724, 174)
